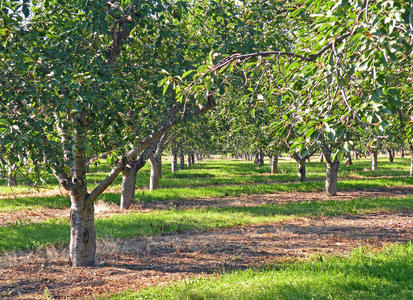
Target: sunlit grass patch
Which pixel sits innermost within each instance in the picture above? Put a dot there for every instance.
(364, 274)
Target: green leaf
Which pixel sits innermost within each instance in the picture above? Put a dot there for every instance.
(187, 73)
(165, 87)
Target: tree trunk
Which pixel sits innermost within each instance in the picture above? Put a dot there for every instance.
(181, 161)
(391, 155)
(11, 177)
(192, 159)
(349, 162)
(411, 160)
(274, 163)
(411, 166)
(373, 160)
(82, 247)
(402, 153)
(174, 162)
(257, 158)
(128, 185)
(301, 170)
(331, 177)
(155, 172)
(321, 158)
(189, 160)
(155, 158)
(261, 159)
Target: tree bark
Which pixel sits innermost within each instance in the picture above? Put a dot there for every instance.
(11, 178)
(321, 158)
(156, 164)
(174, 162)
(301, 172)
(411, 160)
(82, 247)
(128, 185)
(402, 153)
(331, 177)
(373, 160)
(155, 172)
(193, 158)
(332, 167)
(349, 161)
(257, 158)
(261, 159)
(391, 155)
(411, 166)
(189, 160)
(181, 161)
(274, 163)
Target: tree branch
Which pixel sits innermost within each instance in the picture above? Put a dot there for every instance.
(173, 119)
(312, 57)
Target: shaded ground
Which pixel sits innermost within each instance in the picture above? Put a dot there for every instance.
(140, 262)
(104, 209)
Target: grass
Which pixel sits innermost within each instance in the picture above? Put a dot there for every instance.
(19, 203)
(56, 231)
(219, 172)
(364, 274)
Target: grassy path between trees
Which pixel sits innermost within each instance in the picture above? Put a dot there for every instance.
(21, 203)
(56, 231)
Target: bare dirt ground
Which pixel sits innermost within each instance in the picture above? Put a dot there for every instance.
(103, 209)
(140, 262)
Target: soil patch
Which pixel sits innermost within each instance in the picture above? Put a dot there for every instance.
(137, 263)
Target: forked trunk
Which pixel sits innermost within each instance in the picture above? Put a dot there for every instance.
(128, 186)
(331, 177)
(82, 245)
(274, 163)
(174, 162)
(373, 160)
(181, 161)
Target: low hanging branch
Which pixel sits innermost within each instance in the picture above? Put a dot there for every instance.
(312, 57)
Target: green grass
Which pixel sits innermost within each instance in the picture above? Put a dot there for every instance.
(19, 203)
(30, 235)
(365, 274)
(220, 172)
